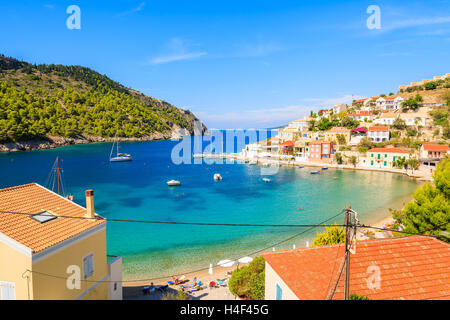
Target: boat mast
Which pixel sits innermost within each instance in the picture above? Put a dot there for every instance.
(57, 170)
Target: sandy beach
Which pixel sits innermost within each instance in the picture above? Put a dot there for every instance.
(134, 290)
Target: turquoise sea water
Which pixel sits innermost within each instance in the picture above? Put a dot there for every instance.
(138, 190)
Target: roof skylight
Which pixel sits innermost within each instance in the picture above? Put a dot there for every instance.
(43, 217)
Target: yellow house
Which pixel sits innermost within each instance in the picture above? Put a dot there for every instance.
(334, 132)
(46, 256)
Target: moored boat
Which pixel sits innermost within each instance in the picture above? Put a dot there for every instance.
(173, 183)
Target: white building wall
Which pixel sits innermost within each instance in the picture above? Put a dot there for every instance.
(271, 281)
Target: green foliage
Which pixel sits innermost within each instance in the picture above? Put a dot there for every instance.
(349, 123)
(249, 281)
(353, 160)
(440, 117)
(341, 139)
(430, 85)
(331, 235)
(339, 158)
(365, 144)
(413, 103)
(399, 124)
(411, 131)
(70, 101)
(180, 295)
(354, 296)
(429, 212)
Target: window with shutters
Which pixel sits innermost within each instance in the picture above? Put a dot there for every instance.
(88, 265)
(7, 290)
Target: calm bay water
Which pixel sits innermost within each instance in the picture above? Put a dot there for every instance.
(138, 190)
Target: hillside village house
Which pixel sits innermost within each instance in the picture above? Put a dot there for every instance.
(390, 103)
(431, 153)
(300, 124)
(332, 134)
(361, 116)
(378, 133)
(414, 118)
(410, 268)
(383, 157)
(301, 149)
(387, 118)
(320, 151)
(45, 243)
(339, 107)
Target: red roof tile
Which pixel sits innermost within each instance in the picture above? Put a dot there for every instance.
(33, 198)
(414, 267)
(379, 128)
(433, 146)
(388, 150)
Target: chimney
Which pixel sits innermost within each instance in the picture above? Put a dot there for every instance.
(90, 212)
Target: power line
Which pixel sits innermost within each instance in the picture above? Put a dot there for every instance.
(202, 269)
(181, 222)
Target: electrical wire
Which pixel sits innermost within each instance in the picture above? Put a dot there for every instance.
(202, 269)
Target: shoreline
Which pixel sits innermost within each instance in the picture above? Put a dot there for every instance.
(54, 142)
(420, 174)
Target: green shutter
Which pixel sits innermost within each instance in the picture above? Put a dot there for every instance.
(385, 163)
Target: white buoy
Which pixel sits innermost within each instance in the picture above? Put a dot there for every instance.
(273, 249)
(293, 246)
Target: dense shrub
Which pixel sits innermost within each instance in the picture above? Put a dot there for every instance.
(248, 282)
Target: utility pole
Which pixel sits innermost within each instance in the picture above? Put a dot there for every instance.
(348, 243)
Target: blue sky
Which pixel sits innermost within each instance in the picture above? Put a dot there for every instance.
(239, 64)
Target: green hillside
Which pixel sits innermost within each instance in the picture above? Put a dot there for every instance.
(38, 101)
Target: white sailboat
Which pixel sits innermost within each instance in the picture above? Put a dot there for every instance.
(120, 157)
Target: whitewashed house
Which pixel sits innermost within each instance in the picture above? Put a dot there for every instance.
(378, 133)
(390, 103)
(414, 119)
(387, 118)
(339, 107)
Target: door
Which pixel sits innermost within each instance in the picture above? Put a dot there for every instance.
(7, 290)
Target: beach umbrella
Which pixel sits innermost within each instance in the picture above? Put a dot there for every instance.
(210, 271)
(307, 244)
(225, 263)
(245, 260)
(293, 246)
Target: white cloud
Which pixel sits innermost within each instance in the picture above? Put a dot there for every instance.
(177, 50)
(177, 57)
(137, 9)
(348, 98)
(409, 23)
(269, 117)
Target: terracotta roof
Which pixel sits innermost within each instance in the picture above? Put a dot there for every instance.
(360, 114)
(411, 268)
(432, 146)
(391, 97)
(319, 142)
(287, 143)
(388, 150)
(33, 198)
(379, 128)
(389, 115)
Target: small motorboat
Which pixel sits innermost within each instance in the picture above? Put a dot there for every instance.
(253, 162)
(314, 172)
(300, 167)
(324, 168)
(173, 183)
(217, 177)
(266, 180)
